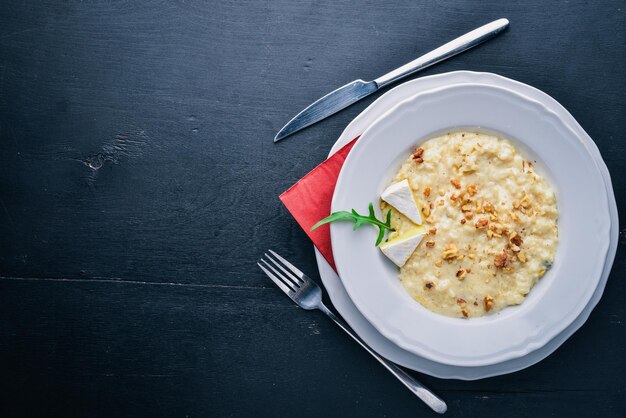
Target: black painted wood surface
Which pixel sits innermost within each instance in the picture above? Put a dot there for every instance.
(139, 184)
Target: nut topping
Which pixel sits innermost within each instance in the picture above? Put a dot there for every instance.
(500, 260)
(418, 155)
(481, 223)
(515, 239)
(450, 252)
(488, 302)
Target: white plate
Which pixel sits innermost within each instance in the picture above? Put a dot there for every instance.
(583, 225)
(367, 332)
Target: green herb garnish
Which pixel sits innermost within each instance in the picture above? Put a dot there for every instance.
(359, 220)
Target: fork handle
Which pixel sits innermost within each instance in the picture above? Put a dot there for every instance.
(422, 392)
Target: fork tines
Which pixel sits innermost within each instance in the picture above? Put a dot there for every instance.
(289, 278)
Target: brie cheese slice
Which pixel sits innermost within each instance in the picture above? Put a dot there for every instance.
(400, 248)
(400, 196)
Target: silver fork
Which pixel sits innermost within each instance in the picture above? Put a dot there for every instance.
(308, 295)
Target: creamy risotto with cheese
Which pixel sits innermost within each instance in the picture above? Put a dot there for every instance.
(490, 222)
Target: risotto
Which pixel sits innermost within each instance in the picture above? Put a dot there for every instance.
(491, 222)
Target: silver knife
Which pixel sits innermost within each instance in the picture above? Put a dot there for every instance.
(352, 92)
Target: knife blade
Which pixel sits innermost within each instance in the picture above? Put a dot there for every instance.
(354, 91)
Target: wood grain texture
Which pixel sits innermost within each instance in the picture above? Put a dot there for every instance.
(139, 184)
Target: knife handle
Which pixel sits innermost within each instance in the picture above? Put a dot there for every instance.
(460, 44)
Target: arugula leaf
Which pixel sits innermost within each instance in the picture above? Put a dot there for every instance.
(359, 220)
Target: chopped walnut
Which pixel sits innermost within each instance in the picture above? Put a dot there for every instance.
(465, 312)
(481, 223)
(498, 229)
(522, 204)
(429, 285)
(468, 215)
(472, 189)
(460, 274)
(525, 202)
(455, 183)
(450, 252)
(430, 244)
(515, 238)
(500, 260)
(461, 302)
(521, 256)
(463, 221)
(418, 155)
(427, 191)
(432, 231)
(466, 208)
(488, 302)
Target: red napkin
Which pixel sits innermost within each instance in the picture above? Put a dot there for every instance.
(309, 199)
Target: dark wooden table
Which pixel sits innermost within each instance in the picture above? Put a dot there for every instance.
(139, 184)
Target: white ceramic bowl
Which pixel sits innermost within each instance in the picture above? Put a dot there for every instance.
(583, 226)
